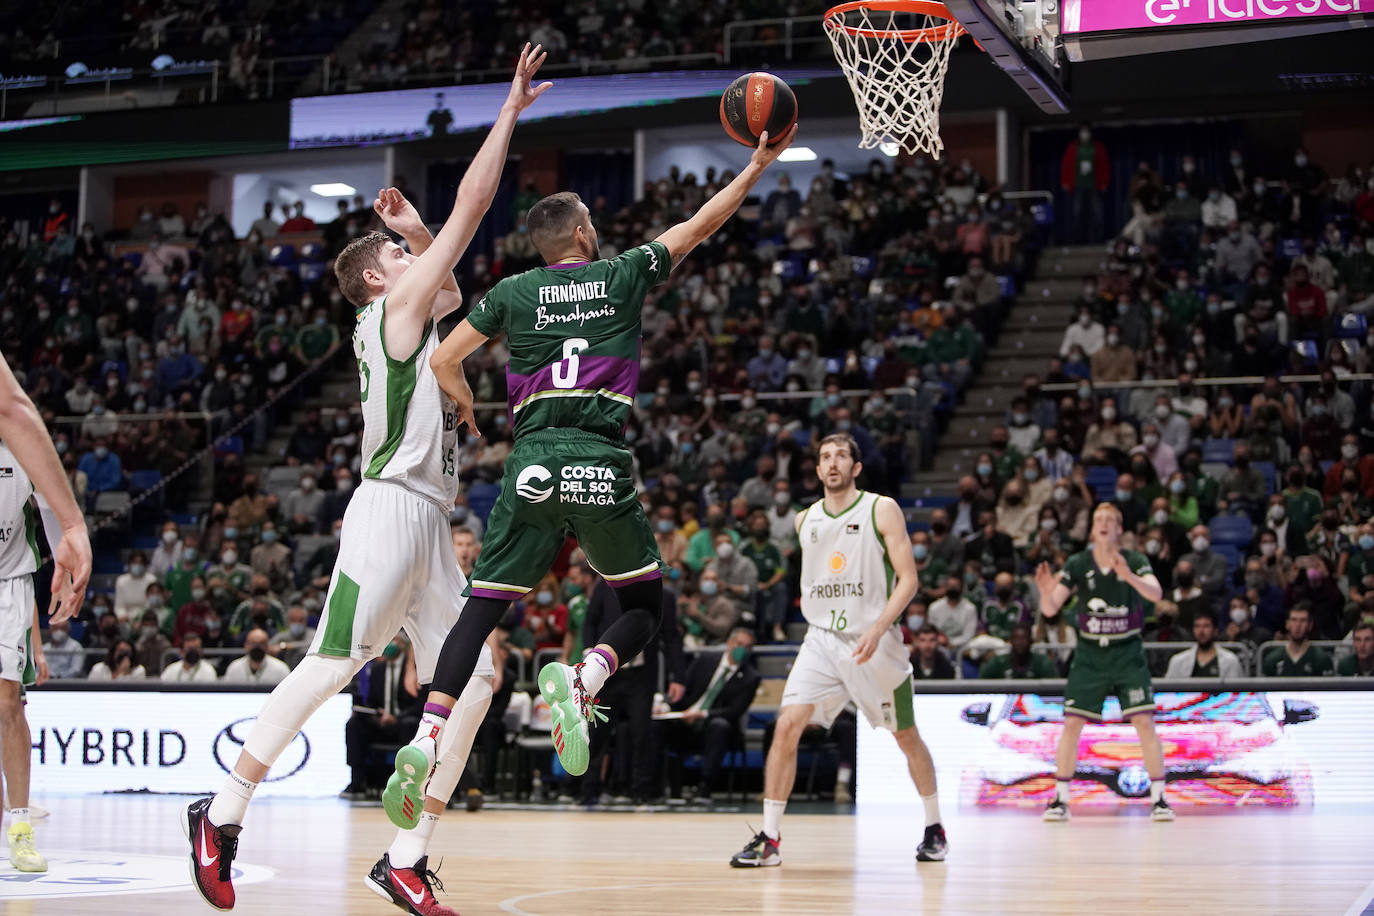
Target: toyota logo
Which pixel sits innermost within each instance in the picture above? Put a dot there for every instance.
(229, 743)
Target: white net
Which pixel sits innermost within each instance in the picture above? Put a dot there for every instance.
(897, 81)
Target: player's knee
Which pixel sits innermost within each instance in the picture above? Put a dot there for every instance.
(11, 706)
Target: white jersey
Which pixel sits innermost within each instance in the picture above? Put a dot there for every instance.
(845, 575)
(410, 426)
(18, 519)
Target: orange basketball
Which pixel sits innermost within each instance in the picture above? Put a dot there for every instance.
(756, 102)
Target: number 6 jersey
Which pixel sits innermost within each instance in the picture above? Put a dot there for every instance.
(845, 575)
(573, 332)
(409, 424)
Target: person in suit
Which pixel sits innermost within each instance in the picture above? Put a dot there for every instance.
(719, 687)
(629, 694)
(386, 707)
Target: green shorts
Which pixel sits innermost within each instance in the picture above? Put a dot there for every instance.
(1117, 669)
(559, 482)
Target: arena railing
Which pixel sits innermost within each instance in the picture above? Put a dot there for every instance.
(1238, 381)
(1153, 650)
(797, 32)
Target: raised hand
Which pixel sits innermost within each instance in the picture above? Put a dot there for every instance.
(765, 155)
(397, 213)
(1044, 579)
(1119, 566)
(522, 96)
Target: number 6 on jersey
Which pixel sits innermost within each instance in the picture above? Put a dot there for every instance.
(565, 370)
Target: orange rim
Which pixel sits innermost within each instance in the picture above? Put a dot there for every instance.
(834, 19)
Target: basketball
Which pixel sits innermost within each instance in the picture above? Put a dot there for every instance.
(756, 102)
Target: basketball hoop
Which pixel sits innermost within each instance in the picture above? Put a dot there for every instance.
(895, 54)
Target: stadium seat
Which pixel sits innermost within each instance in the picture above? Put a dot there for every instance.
(1290, 248)
(313, 251)
(869, 363)
(133, 258)
(311, 271)
(229, 445)
(834, 365)
(144, 480)
(1307, 349)
(1235, 530)
(482, 497)
(1008, 284)
(802, 437)
(282, 255)
(1352, 325)
(1219, 451)
(1102, 480)
(1232, 555)
(1271, 475)
(861, 266)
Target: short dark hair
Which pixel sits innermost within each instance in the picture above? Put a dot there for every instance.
(1362, 625)
(844, 439)
(927, 629)
(363, 253)
(552, 220)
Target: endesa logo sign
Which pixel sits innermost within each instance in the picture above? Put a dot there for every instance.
(1101, 16)
(130, 741)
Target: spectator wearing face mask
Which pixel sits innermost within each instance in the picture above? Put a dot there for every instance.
(131, 587)
(1108, 437)
(1086, 333)
(1315, 589)
(66, 658)
(303, 505)
(293, 642)
(1085, 173)
(272, 558)
(256, 666)
(1302, 507)
(1115, 361)
(1265, 599)
(771, 600)
(1350, 460)
(701, 545)
(192, 667)
(1299, 658)
(1015, 516)
(1161, 457)
(151, 642)
(1173, 428)
(739, 578)
(249, 510)
(1241, 625)
(190, 618)
(167, 552)
(545, 616)
(118, 664)
(102, 467)
(260, 609)
(1243, 486)
(1018, 661)
(707, 615)
(954, 615)
(945, 545)
(672, 546)
(1022, 432)
(1210, 566)
(236, 574)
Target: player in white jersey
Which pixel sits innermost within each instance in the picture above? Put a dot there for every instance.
(857, 577)
(396, 565)
(28, 461)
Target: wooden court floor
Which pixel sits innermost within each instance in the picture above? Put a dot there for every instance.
(109, 853)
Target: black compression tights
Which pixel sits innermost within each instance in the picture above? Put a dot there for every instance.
(627, 636)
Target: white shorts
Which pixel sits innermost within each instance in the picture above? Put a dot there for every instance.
(826, 675)
(396, 568)
(16, 625)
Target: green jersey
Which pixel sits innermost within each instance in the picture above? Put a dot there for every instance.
(573, 332)
(1108, 608)
(1312, 663)
(765, 557)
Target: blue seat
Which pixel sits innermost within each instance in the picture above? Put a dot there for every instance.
(1290, 248)
(1352, 325)
(144, 480)
(1008, 284)
(1232, 555)
(134, 258)
(1218, 451)
(229, 445)
(311, 271)
(482, 497)
(282, 255)
(312, 251)
(862, 267)
(1271, 474)
(834, 365)
(869, 363)
(1233, 530)
(1102, 480)
(802, 437)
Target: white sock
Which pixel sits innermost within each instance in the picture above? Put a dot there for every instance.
(410, 845)
(842, 775)
(1061, 790)
(231, 802)
(932, 803)
(772, 817)
(595, 669)
(19, 816)
(1156, 790)
(431, 726)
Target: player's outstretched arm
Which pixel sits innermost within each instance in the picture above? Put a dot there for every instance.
(892, 529)
(400, 216)
(1145, 584)
(1053, 593)
(682, 238)
(22, 430)
(410, 302)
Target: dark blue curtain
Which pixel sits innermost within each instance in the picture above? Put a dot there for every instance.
(443, 179)
(1161, 145)
(608, 172)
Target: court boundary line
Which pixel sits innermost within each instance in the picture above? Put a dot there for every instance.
(1362, 902)
(512, 904)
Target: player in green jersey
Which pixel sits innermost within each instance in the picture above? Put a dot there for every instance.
(1112, 587)
(573, 331)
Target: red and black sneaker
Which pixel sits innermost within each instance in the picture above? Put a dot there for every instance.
(411, 889)
(212, 854)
